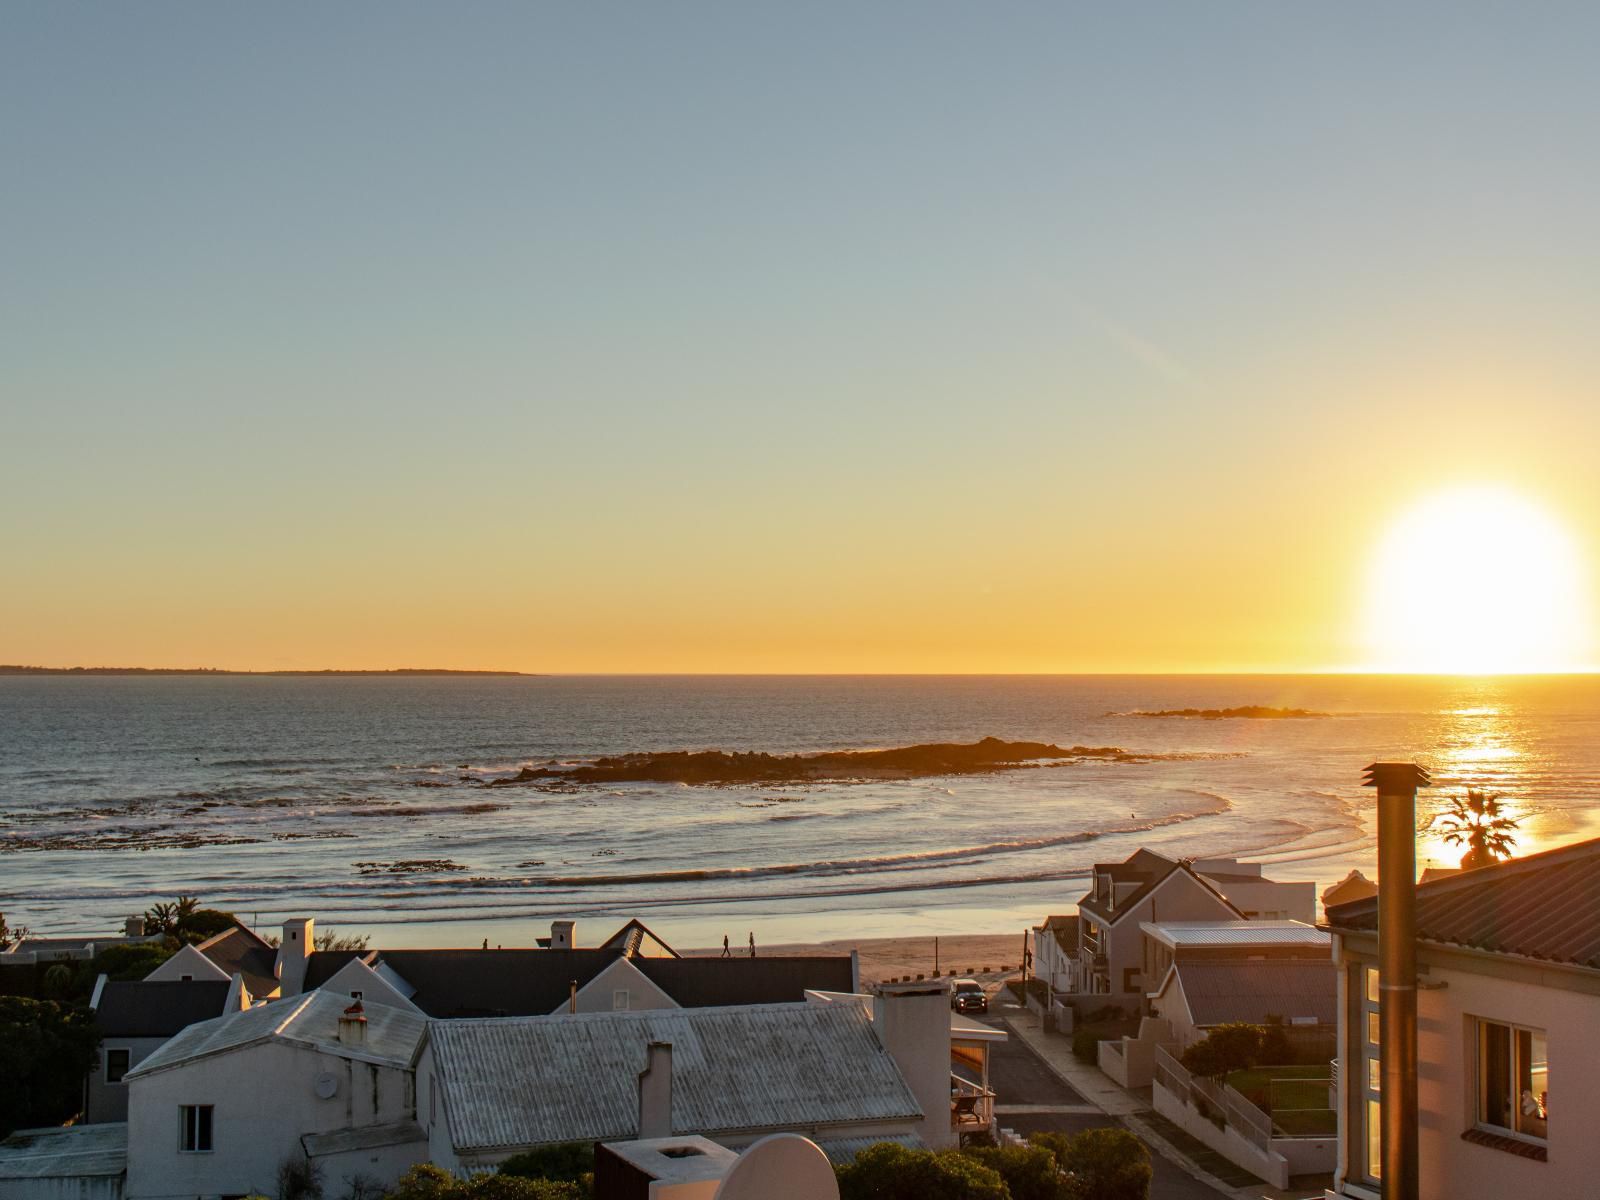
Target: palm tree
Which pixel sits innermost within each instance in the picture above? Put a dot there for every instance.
(162, 918)
(1476, 820)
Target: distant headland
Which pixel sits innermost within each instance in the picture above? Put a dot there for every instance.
(13, 669)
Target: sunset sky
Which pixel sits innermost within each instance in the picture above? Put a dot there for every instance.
(820, 338)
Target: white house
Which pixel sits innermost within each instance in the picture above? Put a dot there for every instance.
(1151, 888)
(219, 1108)
(236, 951)
(1507, 1008)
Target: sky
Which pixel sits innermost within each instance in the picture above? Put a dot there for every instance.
(756, 338)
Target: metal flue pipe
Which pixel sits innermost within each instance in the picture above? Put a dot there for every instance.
(1397, 785)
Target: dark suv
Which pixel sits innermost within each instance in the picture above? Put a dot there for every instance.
(968, 996)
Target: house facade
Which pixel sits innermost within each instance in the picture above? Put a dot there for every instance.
(1149, 888)
(224, 1104)
(1508, 999)
(136, 1018)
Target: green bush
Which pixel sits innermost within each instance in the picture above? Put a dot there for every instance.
(428, 1182)
(46, 1049)
(1227, 1048)
(1107, 1164)
(572, 1162)
(889, 1171)
(1030, 1172)
(1086, 1044)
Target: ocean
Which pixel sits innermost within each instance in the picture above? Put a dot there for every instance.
(362, 801)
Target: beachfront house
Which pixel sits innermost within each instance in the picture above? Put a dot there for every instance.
(222, 1106)
(42, 951)
(632, 970)
(1054, 946)
(136, 1018)
(1509, 994)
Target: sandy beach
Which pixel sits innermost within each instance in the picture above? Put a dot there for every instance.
(986, 956)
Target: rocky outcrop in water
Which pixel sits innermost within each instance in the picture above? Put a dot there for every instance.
(905, 762)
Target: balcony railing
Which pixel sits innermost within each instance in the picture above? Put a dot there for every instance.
(971, 1105)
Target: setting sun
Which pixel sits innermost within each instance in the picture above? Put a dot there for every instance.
(1477, 580)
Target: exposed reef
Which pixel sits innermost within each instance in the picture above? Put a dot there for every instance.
(1248, 712)
(710, 767)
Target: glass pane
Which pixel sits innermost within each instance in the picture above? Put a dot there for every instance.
(1533, 1083)
(1374, 1073)
(203, 1140)
(1374, 1140)
(1372, 985)
(1494, 1072)
(1372, 1028)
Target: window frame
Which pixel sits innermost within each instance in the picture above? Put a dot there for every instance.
(127, 1064)
(1479, 1027)
(1370, 1076)
(621, 1000)
(190, 1122)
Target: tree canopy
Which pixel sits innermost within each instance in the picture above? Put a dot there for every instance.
(45, 1051)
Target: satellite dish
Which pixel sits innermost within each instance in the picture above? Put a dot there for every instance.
(327, 1086)
(781, 1166)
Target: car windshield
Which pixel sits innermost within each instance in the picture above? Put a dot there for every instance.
(969, 987)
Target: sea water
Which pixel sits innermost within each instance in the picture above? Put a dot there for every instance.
(364, 802)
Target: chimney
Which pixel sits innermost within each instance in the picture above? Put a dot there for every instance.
(294, 951)
(912, 1020)
(561, 934)
(655, 1092)
(353, 1026)
(1397, 785)
(133, 927)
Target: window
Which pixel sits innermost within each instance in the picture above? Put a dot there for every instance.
(619, 1000)
(1371, 1075)
(355, 996)
(116, 1065)
(1513, 1080)
(195, 1120)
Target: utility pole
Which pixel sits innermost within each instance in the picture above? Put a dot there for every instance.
(1397, 785)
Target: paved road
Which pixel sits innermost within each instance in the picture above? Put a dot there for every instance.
(1019, 1077)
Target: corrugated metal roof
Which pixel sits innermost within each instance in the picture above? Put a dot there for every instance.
(1222, 992)
(365, 1137)
(1546, 906)
(529, 1082)
(309, 1020)
(73, 1151)
(1236, 933)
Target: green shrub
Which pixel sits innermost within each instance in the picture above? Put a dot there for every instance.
(46, 1049)
(1086, 1044)
(428, 1182)
(1108, 1164)
(1030, 1172)
(889, 1171)
(1227, 1048)
(569, 1161)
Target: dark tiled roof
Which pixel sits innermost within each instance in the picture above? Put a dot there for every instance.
(158, 1008)
(493, 983)
(240, 952)
(1220, 992)
(1064, 930)
(1131, 901)
(711, 982)
(1546, 906)
(324, 964)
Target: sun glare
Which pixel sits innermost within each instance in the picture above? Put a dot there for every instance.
(1477, 581)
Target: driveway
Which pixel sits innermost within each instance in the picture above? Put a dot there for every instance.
(1022, 1081)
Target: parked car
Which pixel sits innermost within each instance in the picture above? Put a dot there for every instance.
(968, 996)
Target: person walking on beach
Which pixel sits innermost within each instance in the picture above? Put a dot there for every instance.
(725, 952)
(752, 943)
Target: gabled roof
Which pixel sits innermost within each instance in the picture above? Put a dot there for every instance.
(1065, 931)
(311, 1021)
(1218, 993)
(1545, 906)
(1130, 902)
(710, 982)
(631, 940)
(238, 951)
(516, 1083)
(148, 1008)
